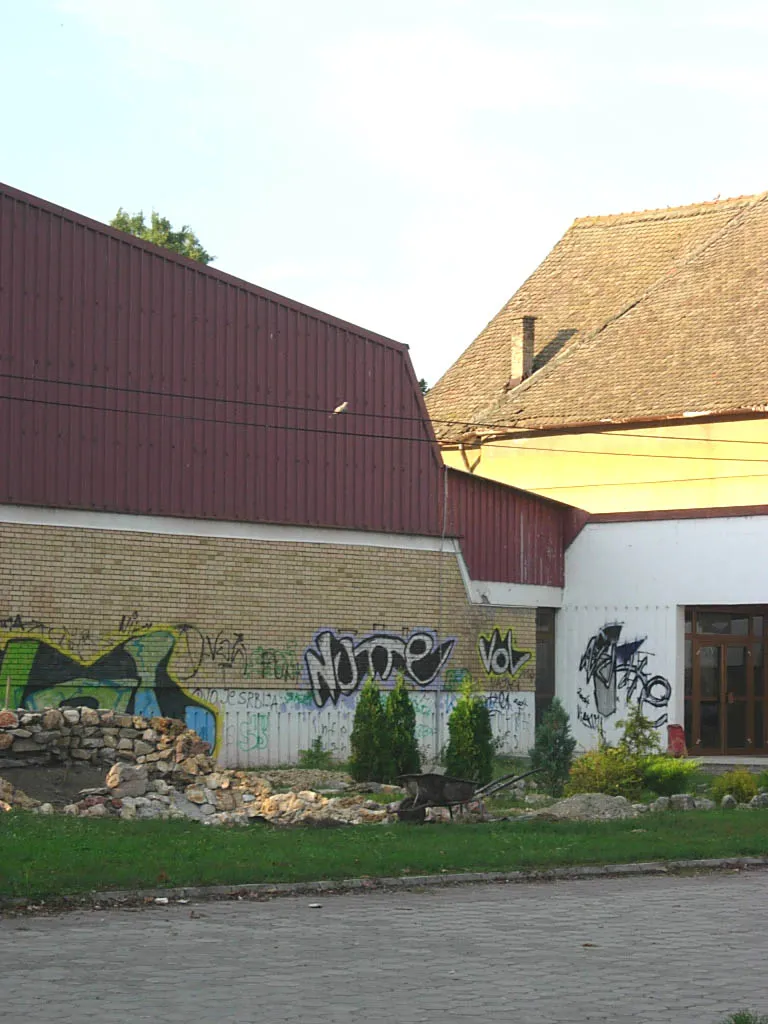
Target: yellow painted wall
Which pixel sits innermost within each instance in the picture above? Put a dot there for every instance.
(687, 465)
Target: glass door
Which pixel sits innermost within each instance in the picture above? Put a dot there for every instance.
(725, 683)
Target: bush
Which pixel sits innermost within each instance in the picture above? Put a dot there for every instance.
(371, 760)
(745, 1017)
(553, 750)
(741, 784)
(317, 757)
(401, 731)
(610, 770)
(669, 775)
(639, 737)
(470, 745)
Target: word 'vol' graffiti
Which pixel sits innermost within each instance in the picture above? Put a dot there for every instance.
(337, 665)
(611, 666)
(499, 656)
(133, 677)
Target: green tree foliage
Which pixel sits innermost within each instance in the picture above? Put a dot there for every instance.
(553, 749)
(470, 745)
(371, 759)
(639, 737)
(423, 386)
(401, 721)
(160, 232)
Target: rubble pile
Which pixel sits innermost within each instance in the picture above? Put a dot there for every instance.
(158, 768)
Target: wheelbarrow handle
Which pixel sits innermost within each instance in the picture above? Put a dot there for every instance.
(503, 783)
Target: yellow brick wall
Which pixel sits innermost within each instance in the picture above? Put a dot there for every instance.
(257, 604)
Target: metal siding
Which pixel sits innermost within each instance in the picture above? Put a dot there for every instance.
(506, 536)
(136, 382)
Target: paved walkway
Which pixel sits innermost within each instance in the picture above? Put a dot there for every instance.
(640, 950)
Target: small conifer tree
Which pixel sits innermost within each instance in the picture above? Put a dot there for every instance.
(553, 751)
(401, 720)
(371, 759)
(470, 744)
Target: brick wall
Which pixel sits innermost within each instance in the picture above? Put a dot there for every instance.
(187, 626)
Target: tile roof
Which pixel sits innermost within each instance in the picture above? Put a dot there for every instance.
(644, 315)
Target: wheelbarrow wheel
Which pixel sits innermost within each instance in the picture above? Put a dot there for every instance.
(407, 812)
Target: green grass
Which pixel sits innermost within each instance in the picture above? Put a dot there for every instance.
(43, 857)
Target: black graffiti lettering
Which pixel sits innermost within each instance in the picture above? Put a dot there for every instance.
(499, 656)
(337, 665)
(611, 666)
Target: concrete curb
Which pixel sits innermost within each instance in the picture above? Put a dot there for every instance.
(267, 890)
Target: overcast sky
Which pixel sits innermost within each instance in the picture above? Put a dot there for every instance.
(403, 165)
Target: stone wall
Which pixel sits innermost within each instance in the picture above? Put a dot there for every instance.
(86, 735)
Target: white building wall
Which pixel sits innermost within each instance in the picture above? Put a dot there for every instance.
(640, 576)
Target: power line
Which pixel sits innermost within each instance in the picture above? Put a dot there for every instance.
(163, 414)
(285, 407)
(638, 483)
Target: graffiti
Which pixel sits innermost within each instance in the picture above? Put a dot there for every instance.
(499, 656)
(338, 664)
(502, 702)
(272, 663)
(132, 624)
(611, 667)
(59, 636)
(455, 678)
(134, 676)
(253, 732)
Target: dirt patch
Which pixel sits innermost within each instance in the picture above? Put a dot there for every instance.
(57, 785)
(299, 779)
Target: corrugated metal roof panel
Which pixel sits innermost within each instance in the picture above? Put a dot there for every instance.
(134, 380)
(507, 535)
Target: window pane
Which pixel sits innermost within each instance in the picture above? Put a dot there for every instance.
(688, 668)
(709, 672)
(722, 623)
(710, 725)
(688, 620)
(757, 625)
(758, 670)
(736, 671)
(737, 725)
(759, 725)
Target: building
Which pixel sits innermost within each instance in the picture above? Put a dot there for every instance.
(628, 377)
(630, 371)
(219, 504)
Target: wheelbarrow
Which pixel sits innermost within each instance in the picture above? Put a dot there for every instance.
(433, 790)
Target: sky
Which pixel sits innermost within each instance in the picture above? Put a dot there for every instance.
(403, 166)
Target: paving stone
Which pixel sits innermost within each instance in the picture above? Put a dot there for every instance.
(562, 953)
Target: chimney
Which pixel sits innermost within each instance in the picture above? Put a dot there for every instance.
(521, 349)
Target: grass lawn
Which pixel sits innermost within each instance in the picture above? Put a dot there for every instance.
(42, 857)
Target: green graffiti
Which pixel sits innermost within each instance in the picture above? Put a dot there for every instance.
(132, 676)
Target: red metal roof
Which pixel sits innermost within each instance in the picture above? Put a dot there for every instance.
(507, 535)
(135, 380)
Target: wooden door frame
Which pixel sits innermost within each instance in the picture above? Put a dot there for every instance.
(693, 701)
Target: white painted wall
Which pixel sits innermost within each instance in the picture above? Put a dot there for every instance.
(642, 575)
(270, 727)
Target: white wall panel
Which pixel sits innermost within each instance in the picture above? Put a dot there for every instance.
(270, 727)
(640, 576)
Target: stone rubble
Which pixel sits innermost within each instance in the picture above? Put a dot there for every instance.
(159, 769)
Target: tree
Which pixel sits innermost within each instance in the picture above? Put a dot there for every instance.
(401, 722)
(423, 386)
(160, 232)
(470, 746)
(371, 759)
(553, 750)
